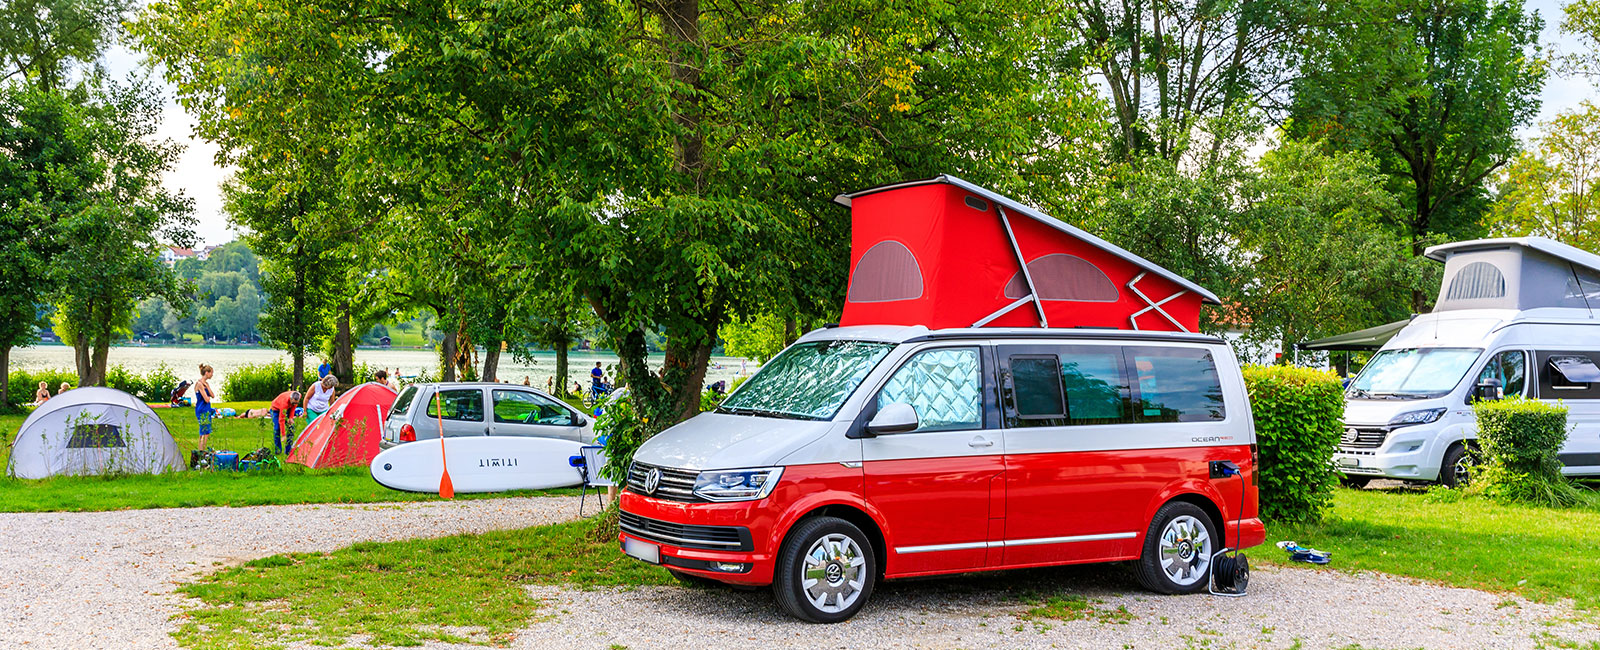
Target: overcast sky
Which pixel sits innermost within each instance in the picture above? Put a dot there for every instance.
(198, 176)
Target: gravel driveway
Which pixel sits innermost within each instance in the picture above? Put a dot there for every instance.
(104, 579)
(1286, 608)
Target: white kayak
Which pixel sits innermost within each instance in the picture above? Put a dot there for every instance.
(480, 464)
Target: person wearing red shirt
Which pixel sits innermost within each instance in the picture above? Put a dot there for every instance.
(282, 415)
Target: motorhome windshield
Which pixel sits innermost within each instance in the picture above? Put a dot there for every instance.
(808, 381)
(1413, 373)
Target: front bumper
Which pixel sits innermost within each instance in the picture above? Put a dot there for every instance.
(1407, 453)
(693, 536)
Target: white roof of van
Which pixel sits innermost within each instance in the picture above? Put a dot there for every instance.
(1544, 245)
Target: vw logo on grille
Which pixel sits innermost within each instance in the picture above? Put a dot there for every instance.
(652, 480)
(1350, 436)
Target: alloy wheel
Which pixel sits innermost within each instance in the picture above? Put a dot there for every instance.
(831, 576)
(1185, 550)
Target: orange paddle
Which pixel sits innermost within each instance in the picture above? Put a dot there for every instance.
(446, 489)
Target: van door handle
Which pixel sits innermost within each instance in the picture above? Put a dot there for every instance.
(980, 441)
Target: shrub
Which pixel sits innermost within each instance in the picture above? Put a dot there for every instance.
(155, 387)
(257, 381)
(23, 383)
(1298, 415)
(1518, 443)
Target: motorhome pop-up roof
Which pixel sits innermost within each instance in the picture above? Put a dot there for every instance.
(1521, 273)
(947, 253)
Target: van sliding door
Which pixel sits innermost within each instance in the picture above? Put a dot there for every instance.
(1071, 494)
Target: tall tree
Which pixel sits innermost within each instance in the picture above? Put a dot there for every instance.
(110, 248)
(1171, 69)
(1435, 90)
(43, 41)
(1552, 190)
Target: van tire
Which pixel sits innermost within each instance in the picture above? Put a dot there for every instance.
(1152, 575)
(1449, 474)
(815, 534)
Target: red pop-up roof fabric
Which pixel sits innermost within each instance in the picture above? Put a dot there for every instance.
(936, 253)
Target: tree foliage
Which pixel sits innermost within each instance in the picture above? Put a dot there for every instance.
(1435, 90)
(1550, 190)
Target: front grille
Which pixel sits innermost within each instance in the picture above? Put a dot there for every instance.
(1363, 437)
(676, 484)
(716, 538)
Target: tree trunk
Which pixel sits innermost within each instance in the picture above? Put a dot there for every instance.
(791, 331)
(80, 354)
(561, 368)
(447, 356)
(687, 395)
(97, 361)
(5, 376)
(343, 355)
(491, 361)
(299, 367)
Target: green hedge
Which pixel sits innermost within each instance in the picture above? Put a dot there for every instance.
(257, 382)
(1298, 414)
(154, 386)
(1518, 445)
(24, 383)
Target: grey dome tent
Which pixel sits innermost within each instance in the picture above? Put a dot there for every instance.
(93, 431)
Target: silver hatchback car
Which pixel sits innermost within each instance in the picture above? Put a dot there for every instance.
(481, 409)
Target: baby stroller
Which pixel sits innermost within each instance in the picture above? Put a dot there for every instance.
(177, 398)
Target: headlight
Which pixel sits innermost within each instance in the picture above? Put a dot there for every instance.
(737, 484)
(1416, 417)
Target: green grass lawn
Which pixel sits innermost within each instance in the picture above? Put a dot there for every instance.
(1540, 553)
(294, 484)
(460, 589)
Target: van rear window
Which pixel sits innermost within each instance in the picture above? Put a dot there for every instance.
(1176, 385)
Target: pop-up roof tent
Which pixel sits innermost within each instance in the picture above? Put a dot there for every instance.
(348, 433)
(93, 430)
(947, 253)
(1519, 273)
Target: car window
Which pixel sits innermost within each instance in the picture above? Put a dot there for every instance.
(1176, 385)
(402, 404)
(462, 405)
(1510, 369)
(522, 407)
(944, 387)
(1096, 385)
(1036, 388)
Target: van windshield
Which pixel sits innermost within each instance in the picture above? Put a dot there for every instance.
(808, 381)
(1413, 373)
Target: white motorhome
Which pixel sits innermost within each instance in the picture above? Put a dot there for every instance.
(1516, 316)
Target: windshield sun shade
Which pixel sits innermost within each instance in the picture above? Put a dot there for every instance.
(1576, 369)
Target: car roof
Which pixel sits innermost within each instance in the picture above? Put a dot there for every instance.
(909, 334)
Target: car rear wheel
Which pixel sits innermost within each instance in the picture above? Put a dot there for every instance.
(826, 571)
(1178, 549)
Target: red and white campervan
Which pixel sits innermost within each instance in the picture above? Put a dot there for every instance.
(1006, 391)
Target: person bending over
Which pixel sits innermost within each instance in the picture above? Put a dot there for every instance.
(282, 413)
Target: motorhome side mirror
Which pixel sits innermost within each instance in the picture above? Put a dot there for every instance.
(894, 418)
(1487, 390)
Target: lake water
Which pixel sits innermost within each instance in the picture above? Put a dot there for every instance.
(186, 360)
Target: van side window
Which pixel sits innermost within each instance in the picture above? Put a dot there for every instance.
(1096, 386)
(1568, 375)
(1036, 390)
(943, 385)
(1510, 369)
(1176, 385)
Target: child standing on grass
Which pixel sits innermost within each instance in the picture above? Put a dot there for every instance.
(203, 397)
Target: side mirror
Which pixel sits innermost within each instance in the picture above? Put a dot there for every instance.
(1487, 390)
(894, 418)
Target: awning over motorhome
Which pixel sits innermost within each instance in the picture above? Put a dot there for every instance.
(1371, 338)
(1577, 369)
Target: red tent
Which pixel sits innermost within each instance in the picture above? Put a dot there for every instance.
(946, 253)
(348, 433)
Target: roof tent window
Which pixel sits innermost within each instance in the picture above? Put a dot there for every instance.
(1477, 280)
(1064, 277)
(1577, 370)
(95, 436)
(887, 272)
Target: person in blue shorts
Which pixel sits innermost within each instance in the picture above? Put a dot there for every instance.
(203, 397)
